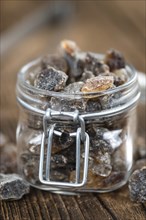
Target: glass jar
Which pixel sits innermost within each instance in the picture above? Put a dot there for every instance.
(141, 114)
(76, 143)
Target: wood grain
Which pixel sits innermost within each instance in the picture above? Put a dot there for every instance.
(96, 26)
(44, 205)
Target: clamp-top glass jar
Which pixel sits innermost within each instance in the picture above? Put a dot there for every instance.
(76, 142)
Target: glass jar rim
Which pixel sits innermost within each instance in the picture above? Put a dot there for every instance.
(27, 86)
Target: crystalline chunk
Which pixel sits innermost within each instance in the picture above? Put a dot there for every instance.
(86, 75)
(63, 163)
(102, 165)
(120, 76)
(113, 178)
(102, 169)
(74, 88)
(36, 140)
(93, 64)
(137, 185)
(97, 84)
(70, 104)
(65, 139)
(76, 64)
(55, 61)
(104, 140)
(101, 145)
(59, 175)
(115, 60)
(12, 186)
(35, 143)
(69, 47)
(93, 105)
(51, 79)
(58, 161)
(30, 167)
(113, 137)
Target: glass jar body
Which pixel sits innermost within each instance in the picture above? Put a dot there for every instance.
(111, 151)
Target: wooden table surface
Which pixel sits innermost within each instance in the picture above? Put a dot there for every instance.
(96, 26)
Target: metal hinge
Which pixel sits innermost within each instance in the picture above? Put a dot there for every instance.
(81, 136)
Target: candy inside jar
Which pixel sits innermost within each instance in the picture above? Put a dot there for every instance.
(77, 120)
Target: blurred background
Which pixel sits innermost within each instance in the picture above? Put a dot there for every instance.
(32, 28)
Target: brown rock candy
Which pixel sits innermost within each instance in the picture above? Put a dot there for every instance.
(68, 47)
(114, 59)
(102, 165)
(120, 76)
(91, 178)
(82, 62)
(97, 84)
(93, 64)
(113, 178)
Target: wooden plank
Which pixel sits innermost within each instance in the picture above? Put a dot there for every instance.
(72, 207)
(44, 205)
(92, 208)
(121, 206)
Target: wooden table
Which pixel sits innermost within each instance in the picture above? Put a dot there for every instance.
(96, 26)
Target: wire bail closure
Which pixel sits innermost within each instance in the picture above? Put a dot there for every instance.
(81, 136)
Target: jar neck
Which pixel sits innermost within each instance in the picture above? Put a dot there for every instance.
(32, 99)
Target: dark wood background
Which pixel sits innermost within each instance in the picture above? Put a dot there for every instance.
(95, 26)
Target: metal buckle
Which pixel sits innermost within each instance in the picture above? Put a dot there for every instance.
(80, 135)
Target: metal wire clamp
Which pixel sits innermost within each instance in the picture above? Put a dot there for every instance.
(81, 136)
